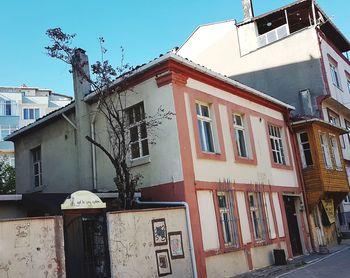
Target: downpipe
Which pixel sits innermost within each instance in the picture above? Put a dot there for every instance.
(188, 224)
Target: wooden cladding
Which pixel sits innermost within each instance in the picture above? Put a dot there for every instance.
(323, 179)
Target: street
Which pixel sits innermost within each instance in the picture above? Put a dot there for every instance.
(334, 265)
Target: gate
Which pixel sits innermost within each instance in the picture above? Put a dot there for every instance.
(85, 236)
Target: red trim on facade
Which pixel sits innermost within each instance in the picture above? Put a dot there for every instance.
(194, 96)
(273, 211)
(171, 77)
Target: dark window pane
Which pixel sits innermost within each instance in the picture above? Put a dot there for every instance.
(227, 227)
(205, 111)
(135, 150)
(209, 137)
(222, 201)
(137, 113)
(304, 137)
(31, 114)
(201, 134)
(308, 157)
(238, 120)
(134, 135)
(36, 181)
(197, 109)
(241, 141)
(145, 150)
(143, 131)
(130, 116)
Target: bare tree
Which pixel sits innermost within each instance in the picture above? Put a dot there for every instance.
(112, 89)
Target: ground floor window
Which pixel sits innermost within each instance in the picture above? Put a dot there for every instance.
(256, 213)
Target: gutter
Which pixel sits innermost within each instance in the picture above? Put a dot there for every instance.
(188, 224)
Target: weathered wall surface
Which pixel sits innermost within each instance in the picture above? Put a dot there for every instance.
(32, 248)
(133, 247)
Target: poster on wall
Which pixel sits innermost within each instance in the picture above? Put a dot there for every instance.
(159, 232)
(163, 262)
(328, 206)
(176, 245)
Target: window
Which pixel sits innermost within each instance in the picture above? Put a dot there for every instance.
(205, 127)
(334, 74)
(347, 126)
(6, 130)
(240, 135)
(348, 83)
(8, 108)
(335, 151)
(333, 118)
(31, 113)
(137, 131)
(228, 220)
(37, 169)
(305, 151)
(347, 199)
(325, 150)
(255, 205)
(278, 154)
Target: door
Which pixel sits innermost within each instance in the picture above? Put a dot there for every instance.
(293, 228)
(86, 246)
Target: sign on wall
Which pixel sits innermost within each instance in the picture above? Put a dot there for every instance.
(83, 199)
(328, 206)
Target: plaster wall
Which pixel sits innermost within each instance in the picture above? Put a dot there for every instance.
(271, 227)
(243, 214)
(10, 210)
(262, 173)
(163, 165)
(278, 211)
(58, 151)
(208, 220)
(131, 244)
(32, 247)
(263, 256)
(226, 265)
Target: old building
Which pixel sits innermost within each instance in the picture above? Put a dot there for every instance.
(228, 152)
(294, 53)
(20, 106)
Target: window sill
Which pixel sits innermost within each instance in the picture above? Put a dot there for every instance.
(37, 189)
(245, 160)
(211, 156)
(139, 161)
(282, 166)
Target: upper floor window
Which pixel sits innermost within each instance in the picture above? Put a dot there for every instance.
(31, 113)
(6, 130)
(240, 135)
(205, 127)
(137, 131)
(348, 80)
(335, 150)
(8, 108)
(334, 119)
(228, 219)
(255, 205)
(325, 150)
(37, 168)
(333, 65)
(276, 141)
(305, 150)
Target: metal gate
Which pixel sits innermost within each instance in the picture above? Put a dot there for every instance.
(86, 245)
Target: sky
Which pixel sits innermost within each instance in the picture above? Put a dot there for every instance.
(145, 29)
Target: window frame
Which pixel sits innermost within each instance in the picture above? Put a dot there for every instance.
(325, 149)
(9, 128)
(335, 152)
(141, 128)
(334, 119)
(36, 161)
(302, 150)
(198, 96)
(231, 209)
(31, 110)
(334, 72)
(347, 75)
(257, 209)
(8, 107)
(285, 142)
(205, 137)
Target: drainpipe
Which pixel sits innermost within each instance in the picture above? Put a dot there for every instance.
(93, 153)
(188, 224)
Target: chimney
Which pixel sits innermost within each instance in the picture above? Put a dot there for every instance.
(247, 9)
(82, 87)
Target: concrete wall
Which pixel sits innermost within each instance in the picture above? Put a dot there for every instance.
(32, 247)
(131, 243)
(58, 150)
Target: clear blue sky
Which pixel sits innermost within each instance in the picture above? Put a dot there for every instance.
(144, 28)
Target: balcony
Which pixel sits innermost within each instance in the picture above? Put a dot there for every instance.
(273, 35)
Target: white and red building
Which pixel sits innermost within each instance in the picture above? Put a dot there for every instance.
(228, 152)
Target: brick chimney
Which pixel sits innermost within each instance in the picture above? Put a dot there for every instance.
(247, 10)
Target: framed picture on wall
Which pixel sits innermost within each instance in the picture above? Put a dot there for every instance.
(159, 232)
(176, 245)
(163, 262)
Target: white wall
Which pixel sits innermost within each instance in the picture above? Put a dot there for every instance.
(32, 247)
(131, 245)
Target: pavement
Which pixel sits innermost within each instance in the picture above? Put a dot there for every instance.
(297, 263)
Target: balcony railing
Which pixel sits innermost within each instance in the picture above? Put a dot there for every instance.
(273, 35)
